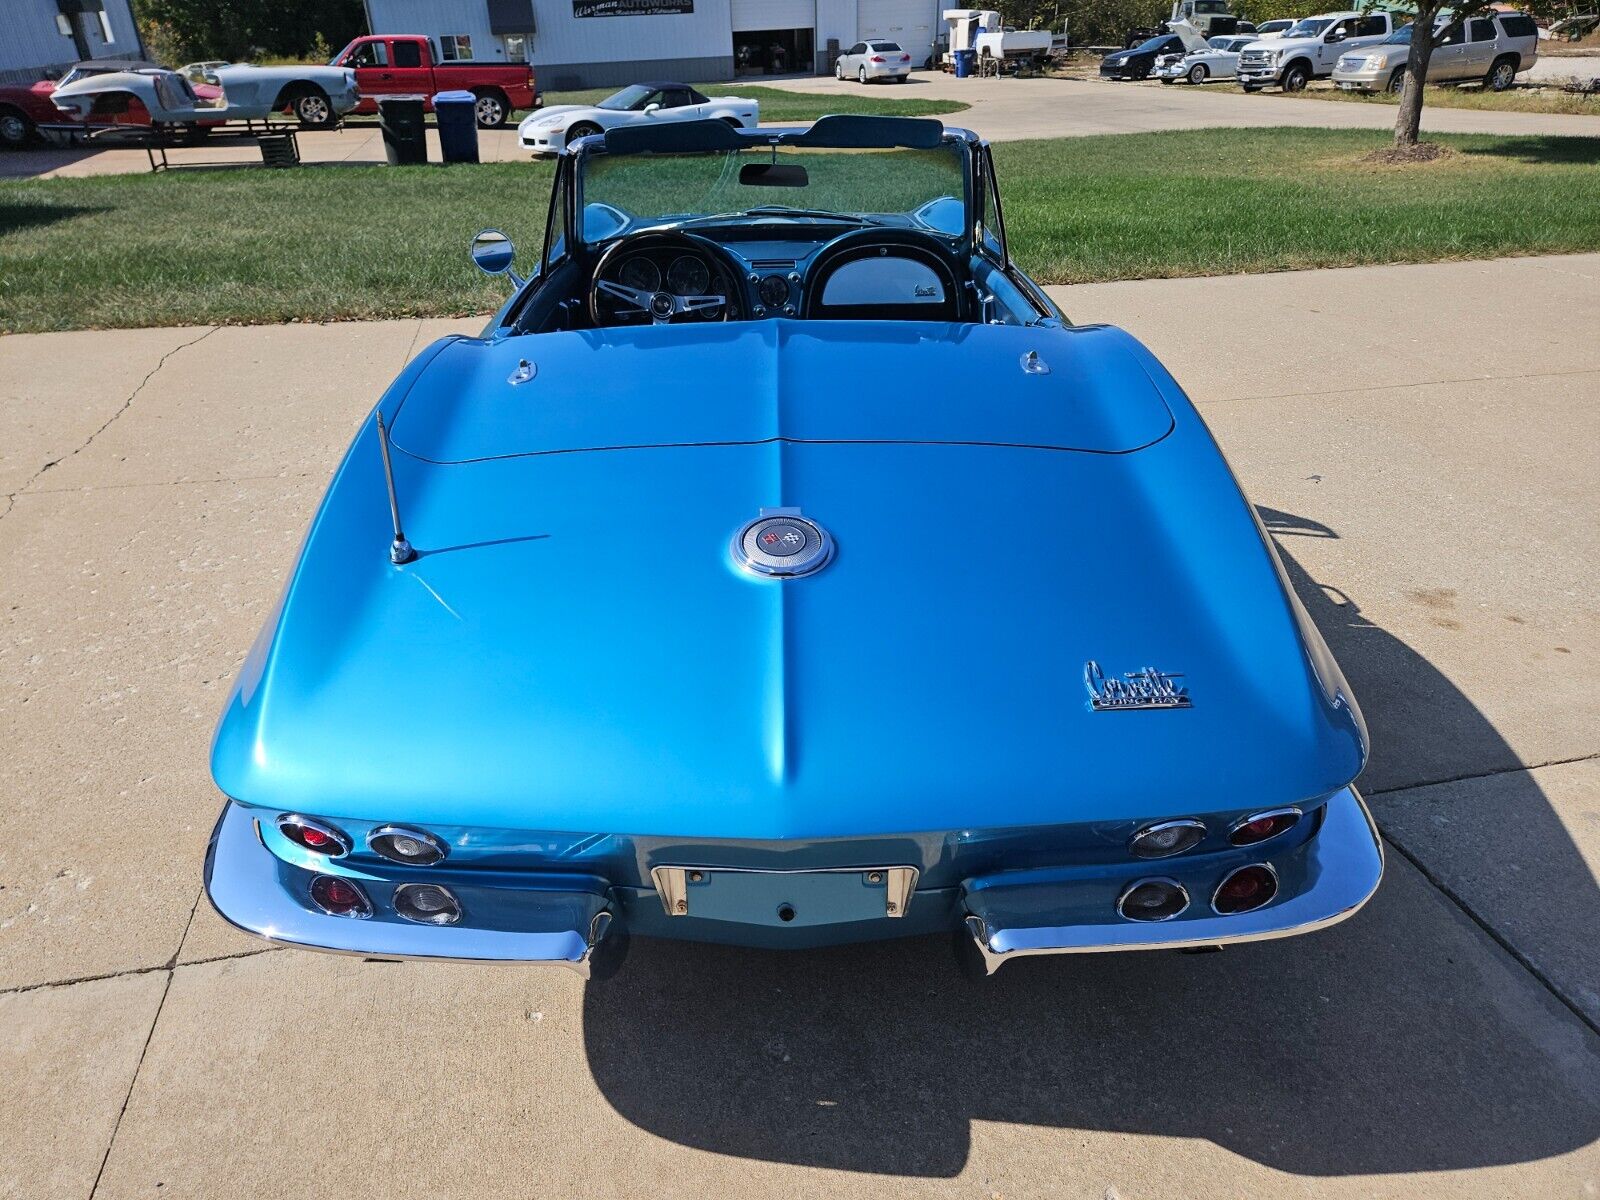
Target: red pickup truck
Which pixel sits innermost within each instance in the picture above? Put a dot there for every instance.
(405, 64)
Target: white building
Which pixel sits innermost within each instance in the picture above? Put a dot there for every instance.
(601, 43)
(43, 35)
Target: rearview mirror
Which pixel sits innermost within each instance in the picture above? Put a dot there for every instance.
(773, 175)
(493, 253)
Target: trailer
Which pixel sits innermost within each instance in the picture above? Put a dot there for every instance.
(983, 32)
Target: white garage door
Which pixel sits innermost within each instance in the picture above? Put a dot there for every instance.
(909, 22)
(774, 14)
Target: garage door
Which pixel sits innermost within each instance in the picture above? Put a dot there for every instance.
(774, 14)
(909, 22)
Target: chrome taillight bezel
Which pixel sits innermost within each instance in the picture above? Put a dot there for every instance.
(291, 825)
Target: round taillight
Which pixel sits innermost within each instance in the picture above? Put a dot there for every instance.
(402, 845)
(427, 904)
(1166, 838)
(1246, 889)
(340, 897)
(316, 836)
(1258, 827)
(1153, 900)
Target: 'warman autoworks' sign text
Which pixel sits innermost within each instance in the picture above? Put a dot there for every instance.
(631, 8)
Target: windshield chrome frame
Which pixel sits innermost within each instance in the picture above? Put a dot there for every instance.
(964, 139)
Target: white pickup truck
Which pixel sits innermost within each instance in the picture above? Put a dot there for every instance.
(1310, 49)
(982, 32)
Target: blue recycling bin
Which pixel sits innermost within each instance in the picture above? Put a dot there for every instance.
(456, 113)
(964, 60)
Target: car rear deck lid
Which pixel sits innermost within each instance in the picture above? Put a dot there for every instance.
(812, 381)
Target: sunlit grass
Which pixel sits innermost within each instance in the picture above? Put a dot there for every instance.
(334, 242)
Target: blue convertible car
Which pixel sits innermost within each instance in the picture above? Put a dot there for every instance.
(780, 567)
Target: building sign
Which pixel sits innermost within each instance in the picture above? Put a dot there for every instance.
(631, 8)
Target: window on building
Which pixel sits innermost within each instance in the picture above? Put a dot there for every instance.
(516, 45)
(408, 54)
(455, 47)
(63, 25)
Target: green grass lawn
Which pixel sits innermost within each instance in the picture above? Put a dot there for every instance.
(1517, 99)
(327, 243)
(780, 106)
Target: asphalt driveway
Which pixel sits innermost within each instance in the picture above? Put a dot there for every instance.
(1424, 443)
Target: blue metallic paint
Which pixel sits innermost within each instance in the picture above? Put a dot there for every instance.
(573, 681)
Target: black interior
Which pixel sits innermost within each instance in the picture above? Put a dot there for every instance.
(743, 273)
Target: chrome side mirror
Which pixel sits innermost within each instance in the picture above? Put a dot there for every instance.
(493, 254)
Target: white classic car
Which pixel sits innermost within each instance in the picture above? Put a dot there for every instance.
(550, 129)
(1218, 60)
(317, 96)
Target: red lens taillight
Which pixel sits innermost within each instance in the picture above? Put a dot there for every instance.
(1258, 827)
(905, 58)
(877, 58)
(316, 836)
(1246, 889)
(340, 897)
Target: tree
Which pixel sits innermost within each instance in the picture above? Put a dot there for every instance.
(1425, 34)
(238, 30)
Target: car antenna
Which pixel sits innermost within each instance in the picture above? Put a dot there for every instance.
(400, 550)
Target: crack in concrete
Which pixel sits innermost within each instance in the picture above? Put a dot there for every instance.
(150, 970)
(1538, 766)
(1493, 934)
(165, 483)
(109, 421)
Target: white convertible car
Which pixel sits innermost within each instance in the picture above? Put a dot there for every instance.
(1219, 60)
(550, 129)
(317, 96)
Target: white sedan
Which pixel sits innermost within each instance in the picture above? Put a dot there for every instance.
(550, 129)
(1219, 60)
(866, 61)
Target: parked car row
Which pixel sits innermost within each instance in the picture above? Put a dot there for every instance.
(100, 93)
(1359, 51)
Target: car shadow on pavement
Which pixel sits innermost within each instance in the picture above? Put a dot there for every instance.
(1401, 1041)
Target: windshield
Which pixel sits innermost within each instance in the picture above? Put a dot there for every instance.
(1400, 37)
(1220, 43)
(1310, 27)
(626, 99)
(899, 187)
(1155, 43)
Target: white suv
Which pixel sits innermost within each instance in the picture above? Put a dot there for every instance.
(1310, 49)
(1491, 48)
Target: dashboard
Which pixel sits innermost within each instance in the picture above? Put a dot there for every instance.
(837, 271)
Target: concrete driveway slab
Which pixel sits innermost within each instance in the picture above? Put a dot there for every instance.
(54, 396)
(1429, 503)
(126, 611)
(1531, 883)
(68, 1058)
(1322, 1066)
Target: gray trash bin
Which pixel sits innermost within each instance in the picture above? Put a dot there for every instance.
(458, 126)
(405, 137)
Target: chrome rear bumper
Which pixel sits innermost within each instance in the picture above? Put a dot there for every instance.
(1015, 914)
(560, 920)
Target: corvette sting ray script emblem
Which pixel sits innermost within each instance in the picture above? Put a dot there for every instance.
(1144, 688)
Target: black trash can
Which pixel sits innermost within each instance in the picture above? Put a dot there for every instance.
(457, 115)
(405, 139)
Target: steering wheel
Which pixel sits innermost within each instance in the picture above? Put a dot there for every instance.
(660, 307)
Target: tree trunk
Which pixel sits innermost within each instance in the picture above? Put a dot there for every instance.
(1408, 122)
